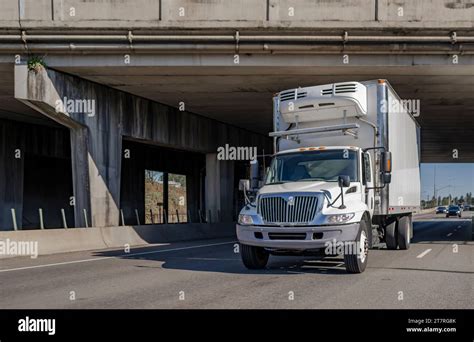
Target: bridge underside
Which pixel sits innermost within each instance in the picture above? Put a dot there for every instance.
(241, 94)
(212, 85)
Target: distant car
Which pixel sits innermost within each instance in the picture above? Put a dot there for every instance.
(467, 207)
(453, 210)
(441, 210)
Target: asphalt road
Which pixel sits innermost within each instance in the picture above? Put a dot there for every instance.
(436, 272)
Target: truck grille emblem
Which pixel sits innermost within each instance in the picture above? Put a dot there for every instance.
(291, 200)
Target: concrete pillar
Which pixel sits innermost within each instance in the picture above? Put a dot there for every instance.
(219, 192)
(12, 164)
(80, 176)
(104, 162)
(96, 138)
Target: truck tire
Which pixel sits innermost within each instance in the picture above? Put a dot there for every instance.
(391, 235)
(404, 232)
(356, 261)
(254, 258)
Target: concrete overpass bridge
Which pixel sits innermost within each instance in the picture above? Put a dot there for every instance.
(223, 60)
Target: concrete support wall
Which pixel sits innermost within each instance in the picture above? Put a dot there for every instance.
(80, 175)
(96, 135)
(105, 146)
(219, 188)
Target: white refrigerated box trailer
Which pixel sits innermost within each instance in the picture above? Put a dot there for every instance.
(382, 120)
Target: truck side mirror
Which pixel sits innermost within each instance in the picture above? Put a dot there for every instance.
(386, 167)
(387, 178)
(387, 162)
(254, 179)
(344, 181)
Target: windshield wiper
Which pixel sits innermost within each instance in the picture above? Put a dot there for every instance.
(274, 183)
(311, 179)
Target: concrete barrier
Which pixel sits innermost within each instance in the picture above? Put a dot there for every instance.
(52, 241)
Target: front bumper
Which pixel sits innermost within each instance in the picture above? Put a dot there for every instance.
(312, 237)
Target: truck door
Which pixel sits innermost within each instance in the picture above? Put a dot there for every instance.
(367, 181)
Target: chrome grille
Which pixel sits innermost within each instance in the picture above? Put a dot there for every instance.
(277, 210)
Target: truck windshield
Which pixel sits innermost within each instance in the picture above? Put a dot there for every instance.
(325, 166)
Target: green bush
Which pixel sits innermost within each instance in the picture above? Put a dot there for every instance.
(36, 63)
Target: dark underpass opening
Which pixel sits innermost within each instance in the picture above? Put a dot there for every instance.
(161, 185)
(35, 176)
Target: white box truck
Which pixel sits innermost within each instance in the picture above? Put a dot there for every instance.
(344, 176)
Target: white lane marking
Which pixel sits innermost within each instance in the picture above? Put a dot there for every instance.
(116, 256)
(424, 253)
(449, 234)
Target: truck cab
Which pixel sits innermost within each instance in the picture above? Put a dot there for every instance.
(312, 199)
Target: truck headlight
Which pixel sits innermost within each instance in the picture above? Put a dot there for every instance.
(245, 220)
(340, 218)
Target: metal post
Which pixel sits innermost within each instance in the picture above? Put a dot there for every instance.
(165, 216)
(210, 217)
(63, 214)
(151, 216)
(121, 216)
(136, 215)
(40, 211)
(15, 226)
(177, 215)
(85, 218)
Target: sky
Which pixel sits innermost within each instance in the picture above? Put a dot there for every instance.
(457, 179)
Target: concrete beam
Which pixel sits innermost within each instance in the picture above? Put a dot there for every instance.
(266, 60)
(233, 14)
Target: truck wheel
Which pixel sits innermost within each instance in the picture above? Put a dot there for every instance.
(403, 230)
(391, 235)
(254, 258)
(356, 260)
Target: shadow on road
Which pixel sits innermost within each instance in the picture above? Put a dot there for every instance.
(221, 258)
